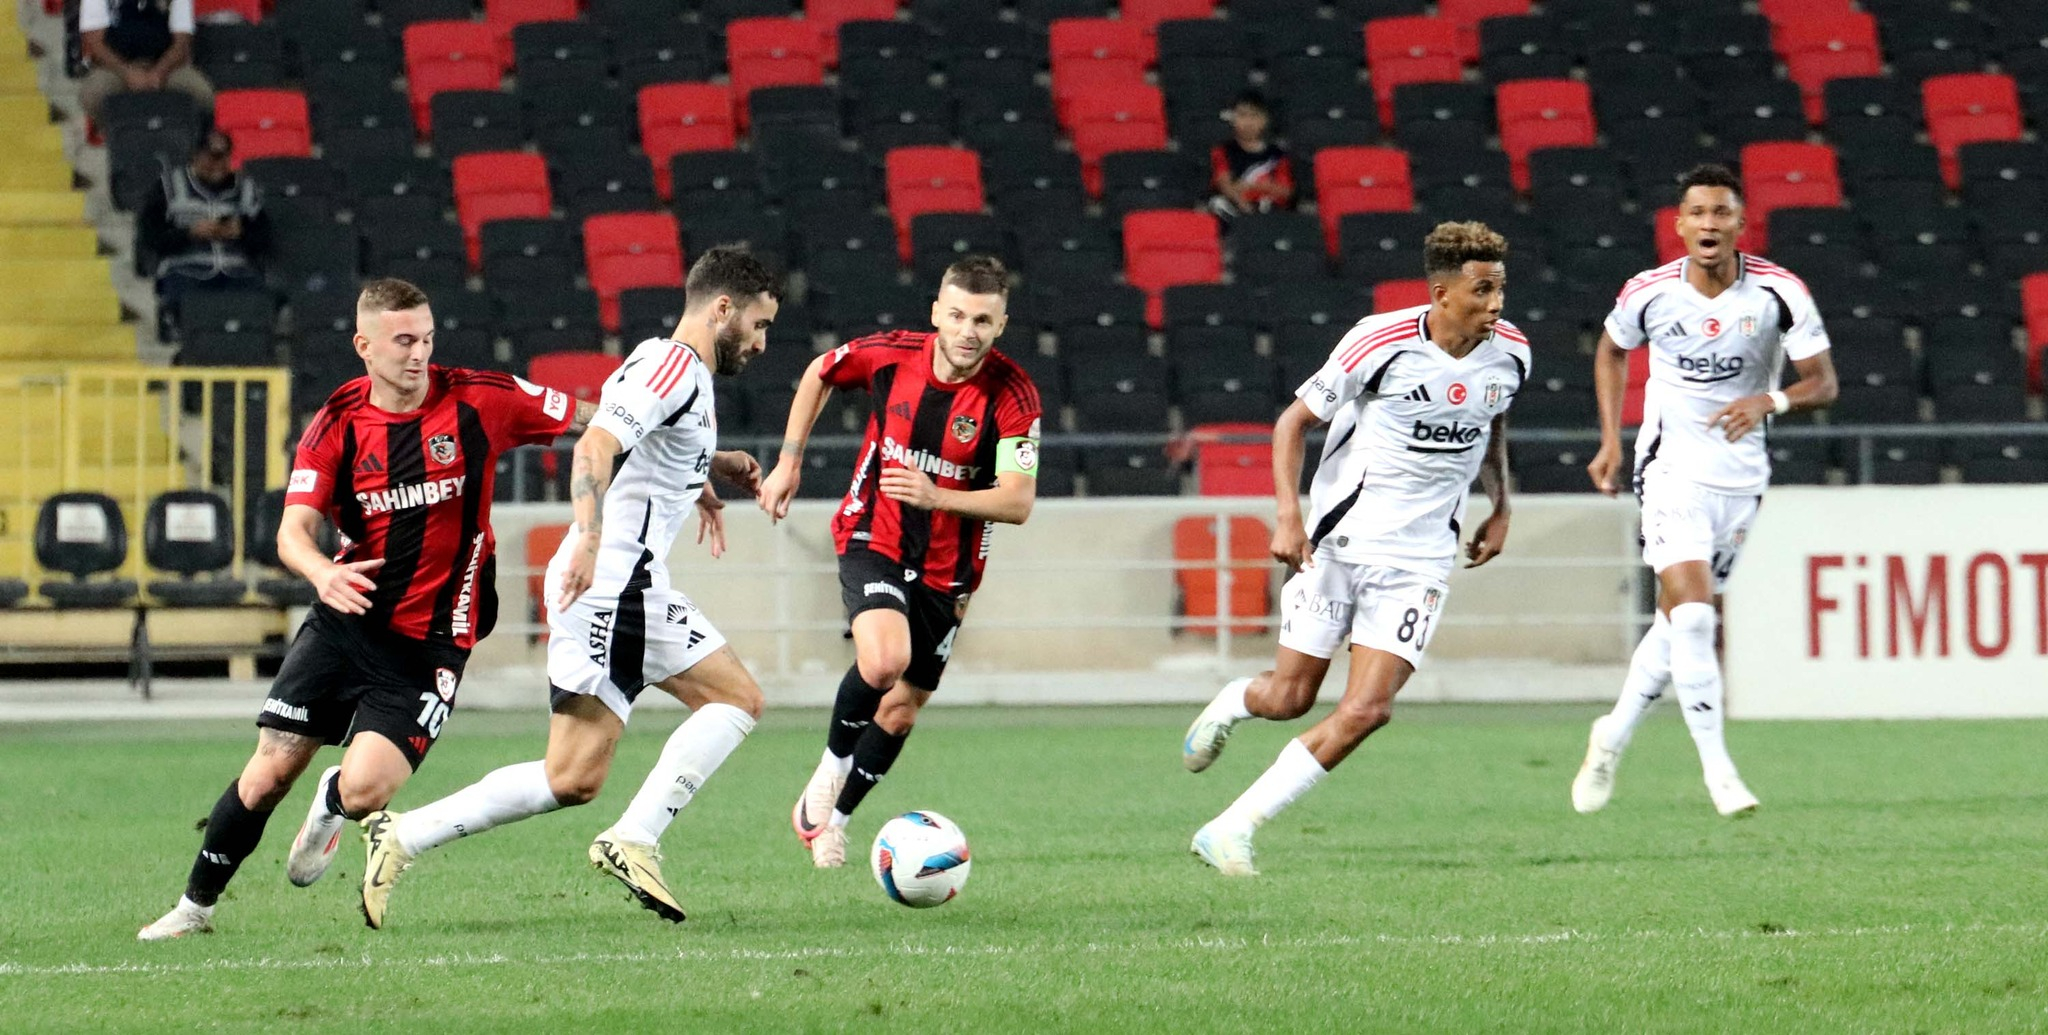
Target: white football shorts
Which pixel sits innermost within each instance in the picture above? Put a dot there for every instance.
(1684, 522)
(1372, 605)
(599, 648)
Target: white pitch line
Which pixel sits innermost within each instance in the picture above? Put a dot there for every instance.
(910, 949)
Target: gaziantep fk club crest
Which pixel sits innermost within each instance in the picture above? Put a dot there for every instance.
(963, 428)
(442, 448)
(444, 683)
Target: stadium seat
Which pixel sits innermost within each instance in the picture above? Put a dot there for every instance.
(1871, 110)
(1278, 248)
(143, 130)
(1361, 179)
(275, 584)
(580, 374)
(498, 185)
(939, 239)
(828, 16)
(1085, 79)
(264, 123)
(448, 55)
(1530, 47)
(1467, 14)
(226, 329)
(1798, 461)
(1399, 51)
(663, 52)
(467, 121)
(396, 16)
(2034, 304)
(1376, 246)
(615, 181)
(504, 17)
(930, 179)
(1211, 306)
(1820, 46)
(1538, 113)
(1720, 47)
(216, 12)
(864, 47)
(772, 52)
(679, 117)
(1388, 295)
(1942, 42)
(1908, 462)
(1129, 118)
(1545, 468)
(1746, 111)
(1962, 109)
(1074, 41)
(2011, 460)
(1133, 180)
(82, 534)
(1223, 383)
(537, 44)
(703, 179)
(190, 533)
(628, 250)
(1784, 175)
(1164, 248)
(913, 115)
(1198, 582)
(241, 57)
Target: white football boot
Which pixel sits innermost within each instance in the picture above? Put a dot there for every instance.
(313, 850)
(828, 847)
(1732, 797)
(187, 917)
(1211, 730)
(1595, 782)
(814, 805)
(1226, 846)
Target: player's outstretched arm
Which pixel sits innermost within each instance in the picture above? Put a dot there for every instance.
(586, 410)
(1491, 537)
(781, 484)
(1610, 387)
(340, 586)
(1815, 389)
(1290, 445)
(590, 475)
(1009, 501)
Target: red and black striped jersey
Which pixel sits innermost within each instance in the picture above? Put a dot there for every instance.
(949, 431)
(415, 489)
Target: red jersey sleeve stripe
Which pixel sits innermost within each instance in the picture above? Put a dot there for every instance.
(1365, 348)
(672, 370)
(1644, 281)
(1366, 343)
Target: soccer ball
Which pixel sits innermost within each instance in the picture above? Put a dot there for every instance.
(920, 859)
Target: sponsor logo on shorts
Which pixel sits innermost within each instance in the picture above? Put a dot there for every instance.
(303, 481)
(294, 712)
(444, 684)
(678, 614)
(599, 640)
(442, 449)
(884, 589)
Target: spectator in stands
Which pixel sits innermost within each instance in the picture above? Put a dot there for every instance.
(206, 228)
(1250, 171)
(137, 45)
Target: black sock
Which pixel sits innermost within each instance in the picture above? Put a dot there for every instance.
(334, 798)
(872, 758)
(232, 832)
(852, 712)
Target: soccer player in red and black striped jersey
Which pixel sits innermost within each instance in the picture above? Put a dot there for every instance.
(402, 461)
(952, 448)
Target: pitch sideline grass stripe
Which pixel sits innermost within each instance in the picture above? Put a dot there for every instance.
(907, 949)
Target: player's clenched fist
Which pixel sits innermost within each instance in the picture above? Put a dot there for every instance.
(779, 489)
(342, 586)
(1291, 546)
(1602, 468)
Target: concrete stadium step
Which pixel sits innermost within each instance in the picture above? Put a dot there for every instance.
(36, 172)
(41, 207)
(49, 242)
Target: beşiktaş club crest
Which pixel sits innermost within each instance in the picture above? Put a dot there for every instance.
(1430, 599)
(1493, 390)
(964, 428)
(1748, 326)
(442, 449)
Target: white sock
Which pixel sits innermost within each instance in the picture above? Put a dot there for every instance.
(1649, 672)
(1291, 775)
(189, 906)
(503, 796)
(839, 819)
(1232, 698)
(1697, 675)
(693, 752)
(843, 766)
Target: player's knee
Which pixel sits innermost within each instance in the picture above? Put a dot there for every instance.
(1288, 698)
(1363, 717)
(1694, 621)
(263, 788)
(577, 788)
(882, 668)
(361, 797)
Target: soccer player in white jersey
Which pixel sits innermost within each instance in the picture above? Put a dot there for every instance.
(1416, 400)
(1718, 324)
(614, 623)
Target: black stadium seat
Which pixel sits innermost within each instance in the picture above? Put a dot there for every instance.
(82, 534)
(191, 533)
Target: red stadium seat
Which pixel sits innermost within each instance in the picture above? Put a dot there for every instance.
(580, 374)
(541, 543)
(826, 16)
(1360, 179)
(1822, 47)
(1147, 14)
(1388, 295)
(1399, 51)
(1965, 109)
(1131, 117)
(1778, 11)
(624, 250)
(1540, 113)
(1243, 468)
(1090, 77)
(250, 11)
(1166, 247)
(1670, 246)
(1094, 54)
(448, 56)
(2034, 302)
(1250, 592)
(1779, 175)
(772, 52)
(498, 185)
(1467, 14)
(264, 123)
(930, 179)
(677, 117)
(1638, 382)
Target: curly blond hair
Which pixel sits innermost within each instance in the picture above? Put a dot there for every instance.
(1451, 245)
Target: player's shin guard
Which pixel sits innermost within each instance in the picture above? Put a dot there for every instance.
(852, 712)
(505, 795)
(1649, 672)
(693, 752)
(872, 757)
(1290, 776)
(232, 832)
(1697, 675)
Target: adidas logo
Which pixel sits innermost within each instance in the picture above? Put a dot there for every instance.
(1420, 394)
(901, 410)
(420, 745)
(371, 463)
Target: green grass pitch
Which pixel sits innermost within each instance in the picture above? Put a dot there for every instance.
(1437, 882)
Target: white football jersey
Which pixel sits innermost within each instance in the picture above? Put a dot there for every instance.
(659, 406)
(1706, 353)
(1409, 426)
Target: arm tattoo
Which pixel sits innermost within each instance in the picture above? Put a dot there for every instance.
(793, 448)
(585, 410)
(583, 483)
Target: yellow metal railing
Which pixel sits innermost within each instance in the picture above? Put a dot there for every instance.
(125, 431)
